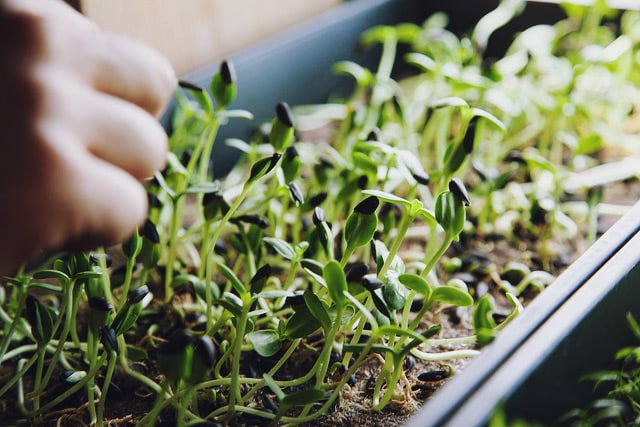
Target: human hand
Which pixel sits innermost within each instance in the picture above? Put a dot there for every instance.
(77, 130)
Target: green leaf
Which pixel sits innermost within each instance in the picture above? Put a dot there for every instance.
(388, 197)
(275, 388)
(377, 34)
(203, 357)
(450, 101)
(234, 114)
(203, 188)
(380, 304)
(317, 309)
(496, 122)
(132, 246)
(126, 317)
(407, 32)
(450, 213)
(633, 324)
(451, 295)
(483, 322)
(60, 276)
(302, 323)
(232, 305)
(393, 292)
(336, 282)
(303, 397)
(263, 167)
(420, 60)
(416, 283)
(235, 281)
(362, 76)
(265, 342)
(136, 354)
(589, 144)
(382, 253)
(360, 229)
(454, 157)
(200, 95)
(223, 85)
(281, 247)
(88, 275)
(431, 331)
(40, 319)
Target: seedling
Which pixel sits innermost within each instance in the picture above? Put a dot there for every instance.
(310, 260)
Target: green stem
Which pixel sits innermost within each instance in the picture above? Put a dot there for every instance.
(105, 387)
(241, 324)
(201, 154)
(67, 302)
(92, 353)
(77, 386)
(210, 259)
(384, 73)
(126, 286)
(436, 257)
(38, 375)
(273, 370)
(405, 222)
(18, 375)
(160, 403)
(205, 158)
(174, 228)
(6, 340)
(75, 305)
(392, 370)
(325, 356)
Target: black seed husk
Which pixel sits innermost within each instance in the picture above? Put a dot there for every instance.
(227, 72)
(469, 136)
(421, 177)
(177, 342)
(254, 219)
(318, 215)
(371, 282)
(456, 186)
(188, 85)
(291, 153)
(435, 375)
(374, 135)
(367, 206)
(108, 337)
(150, 231)
(262, 273)
(317, 200)
(283, 112)
(356, 271)
(99, 304)
(297, 299)
(363, 180)
(136, 295)
(296, 192)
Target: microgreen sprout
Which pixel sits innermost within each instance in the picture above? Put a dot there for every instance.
(258, 296)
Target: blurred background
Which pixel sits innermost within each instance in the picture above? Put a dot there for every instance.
(194, 33)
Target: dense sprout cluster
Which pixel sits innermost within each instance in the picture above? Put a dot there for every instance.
(314, 257)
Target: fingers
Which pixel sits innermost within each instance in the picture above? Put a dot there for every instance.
(108, 62)
(127, 69)
(108, 205)
(124, 135)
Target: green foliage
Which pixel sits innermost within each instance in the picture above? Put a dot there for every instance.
(261, 264)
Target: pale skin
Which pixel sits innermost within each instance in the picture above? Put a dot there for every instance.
(79, 133)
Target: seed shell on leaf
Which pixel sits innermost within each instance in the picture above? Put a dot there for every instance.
(284, 114)
(457, 187)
